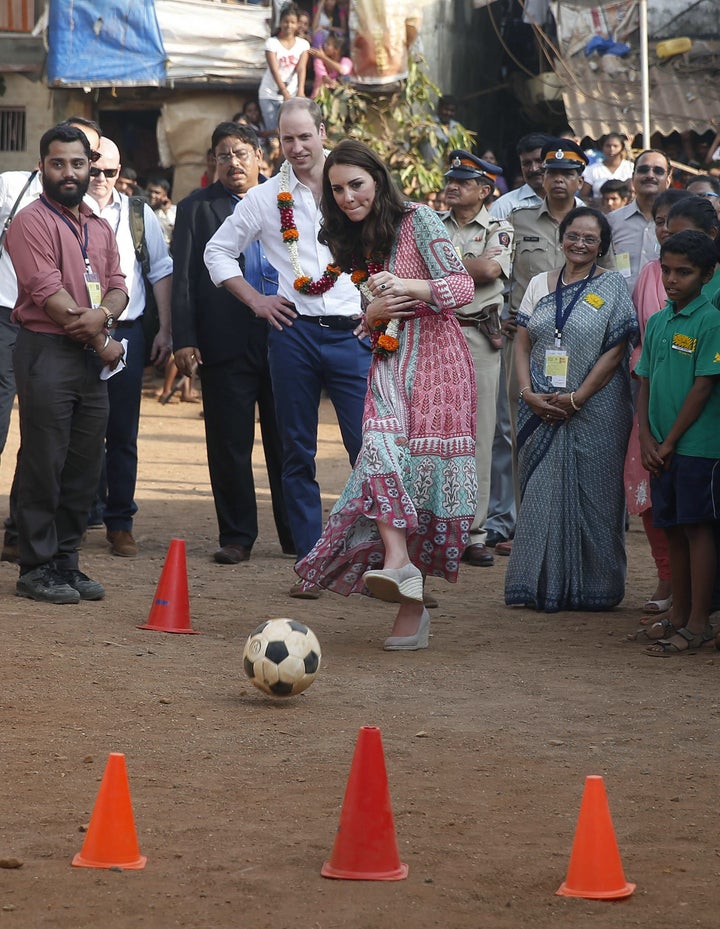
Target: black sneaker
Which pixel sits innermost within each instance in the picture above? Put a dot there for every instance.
(85, 586)
(45, 585)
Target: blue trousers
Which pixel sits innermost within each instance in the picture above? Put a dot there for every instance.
(304, 359)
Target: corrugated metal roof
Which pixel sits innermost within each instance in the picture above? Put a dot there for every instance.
(681, 98)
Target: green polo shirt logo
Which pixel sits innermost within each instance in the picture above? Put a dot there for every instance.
(684, 343)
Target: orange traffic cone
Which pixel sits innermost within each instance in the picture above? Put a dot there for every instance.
(111, 841)
(595, 871)
(365, 846)
(170, 611)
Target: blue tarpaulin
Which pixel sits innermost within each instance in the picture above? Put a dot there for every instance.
(100, 43)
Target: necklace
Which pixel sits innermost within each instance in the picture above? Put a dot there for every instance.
(302, 283)
(385, 331)
(568, 283)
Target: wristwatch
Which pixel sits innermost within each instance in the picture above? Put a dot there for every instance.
(110, 320)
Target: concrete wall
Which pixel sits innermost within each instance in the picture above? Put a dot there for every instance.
(670, 18)
(38, 102)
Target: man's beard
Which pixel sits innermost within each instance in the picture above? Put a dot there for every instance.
(69, 197)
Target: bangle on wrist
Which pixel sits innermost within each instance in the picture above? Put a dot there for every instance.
(107, 342)
(572, 402)
(523, 389)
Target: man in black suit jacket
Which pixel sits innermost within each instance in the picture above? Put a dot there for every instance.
(214, 330)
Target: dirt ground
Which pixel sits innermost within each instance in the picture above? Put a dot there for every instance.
(488, 736)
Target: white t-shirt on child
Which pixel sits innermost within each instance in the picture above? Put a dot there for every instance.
(287, 59)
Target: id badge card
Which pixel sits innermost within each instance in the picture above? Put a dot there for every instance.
(94, 290)
(556, 366)
(622, 263)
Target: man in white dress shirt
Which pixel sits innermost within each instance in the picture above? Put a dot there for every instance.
(313, 341)
(125, 388)
(528, 149)
(634, 242)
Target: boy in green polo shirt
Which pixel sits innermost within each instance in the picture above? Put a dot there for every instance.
(679, 415)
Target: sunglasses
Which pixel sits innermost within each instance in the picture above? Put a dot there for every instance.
(108, 172)
(646, 169)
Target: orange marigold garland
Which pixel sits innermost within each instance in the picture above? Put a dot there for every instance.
(385, 331)
(302, 283)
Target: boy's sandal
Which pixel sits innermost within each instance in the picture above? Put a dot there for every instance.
(663, 629)
(666, 648)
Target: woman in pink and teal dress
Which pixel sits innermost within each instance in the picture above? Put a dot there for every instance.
(407, 508)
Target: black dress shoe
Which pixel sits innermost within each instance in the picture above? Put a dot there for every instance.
(492, 538)
(478, 556)
(232, 554)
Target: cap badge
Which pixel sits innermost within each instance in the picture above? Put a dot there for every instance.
(559, 154)
(456, 163)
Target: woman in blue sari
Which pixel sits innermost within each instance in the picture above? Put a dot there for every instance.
(575, 329)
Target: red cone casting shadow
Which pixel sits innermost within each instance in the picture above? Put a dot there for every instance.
(365, 846)
(170, 611)
(111, 840)
(595, 871)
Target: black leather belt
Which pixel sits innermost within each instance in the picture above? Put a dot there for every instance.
(126, 323)
(331, 322)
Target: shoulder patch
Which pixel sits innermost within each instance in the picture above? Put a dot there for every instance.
(504, 238)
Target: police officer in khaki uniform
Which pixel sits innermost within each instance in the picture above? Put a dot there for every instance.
(485, 246)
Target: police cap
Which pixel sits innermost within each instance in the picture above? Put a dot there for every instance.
(463, 165)
(563, 155)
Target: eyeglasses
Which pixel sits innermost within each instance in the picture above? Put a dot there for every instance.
(590, 240)
(108, 172)
(240, 154)
(710, 194)
(646, 169)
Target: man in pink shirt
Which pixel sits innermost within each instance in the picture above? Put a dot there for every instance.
(70, 292)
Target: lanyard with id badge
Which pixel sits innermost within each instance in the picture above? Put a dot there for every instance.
(92, 281)
(92, 284)
(556, 359)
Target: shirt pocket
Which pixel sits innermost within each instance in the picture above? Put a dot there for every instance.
(535, 256)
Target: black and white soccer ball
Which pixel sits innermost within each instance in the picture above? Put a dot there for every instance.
(282, 657)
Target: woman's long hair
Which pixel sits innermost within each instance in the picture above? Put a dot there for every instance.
(351, 243)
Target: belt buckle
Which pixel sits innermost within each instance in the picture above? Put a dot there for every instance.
(324, 325)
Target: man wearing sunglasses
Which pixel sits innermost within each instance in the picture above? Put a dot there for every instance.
(18, 189)
(117, 489)
(634, 242)
(708, 186)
